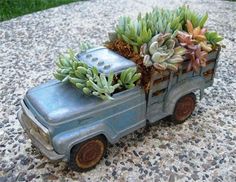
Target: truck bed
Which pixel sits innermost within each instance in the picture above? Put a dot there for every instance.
(162, 83)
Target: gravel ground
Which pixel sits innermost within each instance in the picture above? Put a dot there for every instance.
(202, 149)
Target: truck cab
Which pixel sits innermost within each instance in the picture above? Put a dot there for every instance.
(66, 124)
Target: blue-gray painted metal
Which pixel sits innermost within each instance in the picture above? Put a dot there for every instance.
(67, 117)
(105, 60)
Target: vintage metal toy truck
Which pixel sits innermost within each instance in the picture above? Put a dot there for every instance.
(66, 124)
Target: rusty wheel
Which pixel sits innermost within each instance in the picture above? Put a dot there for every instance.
(87, 155)
(184, 108)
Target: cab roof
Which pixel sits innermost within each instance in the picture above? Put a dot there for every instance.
(105, 60)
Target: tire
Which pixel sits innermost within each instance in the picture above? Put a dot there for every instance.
(184, 108)
(86, 155)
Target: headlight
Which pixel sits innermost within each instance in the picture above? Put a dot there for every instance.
(34, 127)
(39, 133)
(43, 135)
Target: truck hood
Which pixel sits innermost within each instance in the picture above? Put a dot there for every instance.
(56, 102)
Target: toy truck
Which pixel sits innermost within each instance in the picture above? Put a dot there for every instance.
(66, 124)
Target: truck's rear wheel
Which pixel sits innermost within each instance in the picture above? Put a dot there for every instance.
(184, 108)
(88, 154)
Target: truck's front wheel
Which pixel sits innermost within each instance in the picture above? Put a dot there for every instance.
(184, 108)
(87, 155)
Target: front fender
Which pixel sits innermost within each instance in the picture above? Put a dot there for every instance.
(181, 89)
(64, 141)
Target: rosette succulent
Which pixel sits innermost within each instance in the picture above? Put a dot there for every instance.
(194, 52)
(198, 36)
(161, 53)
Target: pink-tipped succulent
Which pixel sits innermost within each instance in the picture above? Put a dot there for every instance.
(197, 57)
(198, 36)
(194, 52)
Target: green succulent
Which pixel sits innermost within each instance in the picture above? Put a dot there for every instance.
(129, 77)
(102, 86)
(142, 29)
(85, 78)
(134, 33)
(185, 13)
(96, 84)
(162, 53)
(67, 64)
(213, 38)
(83, 46)
(162, 21)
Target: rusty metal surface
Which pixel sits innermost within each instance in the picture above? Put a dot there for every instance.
(90, 153)
(184, 107)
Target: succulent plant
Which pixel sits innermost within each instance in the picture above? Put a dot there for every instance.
(83, 46)
(213, 38)
(198, 36)
(67, 64)
(161, 53)
(162, 21)
(85, 78)
(101, 86)
(186, 13)
(197, 58)
(134, 33)
(141, 30)
(194, 52)
(128, 78)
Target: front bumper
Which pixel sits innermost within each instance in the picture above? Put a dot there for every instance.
(46, 150)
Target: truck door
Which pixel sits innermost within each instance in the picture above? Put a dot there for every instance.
(128, 112)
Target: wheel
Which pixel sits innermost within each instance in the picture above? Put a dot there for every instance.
(88, 154)
(184, 108)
